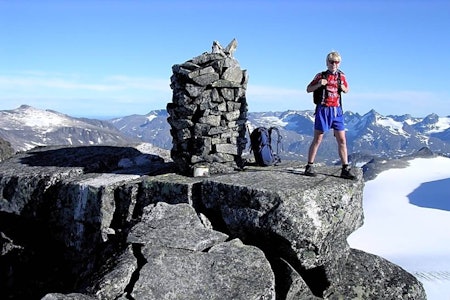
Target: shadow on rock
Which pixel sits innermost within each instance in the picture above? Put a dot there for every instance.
(99, 159)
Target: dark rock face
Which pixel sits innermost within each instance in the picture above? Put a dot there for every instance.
(208, 111)
(179, 242)
(387, 279)
(89, 226)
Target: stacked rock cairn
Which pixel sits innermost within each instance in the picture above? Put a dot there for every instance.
(208, 112)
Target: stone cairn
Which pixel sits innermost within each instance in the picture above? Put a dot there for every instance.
(208, 112)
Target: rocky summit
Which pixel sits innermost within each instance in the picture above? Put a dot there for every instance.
(101, 222)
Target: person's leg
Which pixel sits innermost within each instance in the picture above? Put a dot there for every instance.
(342, 146)
(318, 136)
(342, 149)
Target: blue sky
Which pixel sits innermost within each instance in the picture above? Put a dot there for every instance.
(105, 58)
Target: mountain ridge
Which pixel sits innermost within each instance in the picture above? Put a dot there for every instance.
(27, 127)
(372, 133)
(369, 136)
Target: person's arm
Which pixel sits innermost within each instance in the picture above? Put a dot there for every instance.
(315, 84)
(312, 87)
(344, 84)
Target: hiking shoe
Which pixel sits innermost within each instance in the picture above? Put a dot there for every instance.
(309, 171)
(346, 173)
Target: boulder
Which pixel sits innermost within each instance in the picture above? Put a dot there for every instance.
(91, 227)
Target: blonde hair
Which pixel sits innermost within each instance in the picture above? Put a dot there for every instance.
(333, 56)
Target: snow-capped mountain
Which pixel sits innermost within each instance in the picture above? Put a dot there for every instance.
(27, 127)
(150, 128)
(397, 135)
(370, 135)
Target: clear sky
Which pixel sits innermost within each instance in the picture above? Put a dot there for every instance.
(113, 58)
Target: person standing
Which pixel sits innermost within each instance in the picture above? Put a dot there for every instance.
(328, 85)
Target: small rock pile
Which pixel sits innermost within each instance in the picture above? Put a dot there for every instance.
(208, 112)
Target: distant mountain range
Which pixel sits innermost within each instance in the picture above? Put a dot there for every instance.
(27, 127)
(369, 136)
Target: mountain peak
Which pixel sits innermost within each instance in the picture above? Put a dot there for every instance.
(27, 127)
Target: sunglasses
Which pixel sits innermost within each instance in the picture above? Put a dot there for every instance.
(334, 62)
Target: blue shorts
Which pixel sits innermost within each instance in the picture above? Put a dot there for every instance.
(329, 117)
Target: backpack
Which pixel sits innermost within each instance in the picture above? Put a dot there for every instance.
(319, 95)
(261, 145)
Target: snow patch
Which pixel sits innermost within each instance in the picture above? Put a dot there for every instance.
(414, 237)
(273, 121)
(441, 125)
(393, 126)
(151, 117)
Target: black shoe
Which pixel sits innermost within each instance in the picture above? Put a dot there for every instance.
(346, 173)
(309, 171)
